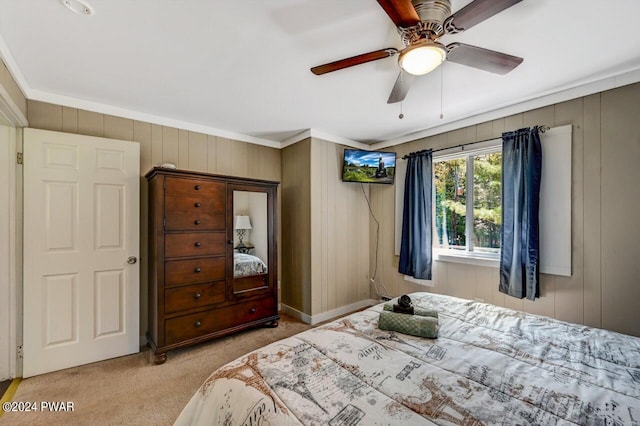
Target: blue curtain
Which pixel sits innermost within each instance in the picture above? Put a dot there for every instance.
(521, 173)
(415, 249)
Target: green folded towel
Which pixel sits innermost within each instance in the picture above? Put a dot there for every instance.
(414, 325)
(416, 311)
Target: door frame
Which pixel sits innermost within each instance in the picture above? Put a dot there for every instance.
(11, 224)
(8, 285)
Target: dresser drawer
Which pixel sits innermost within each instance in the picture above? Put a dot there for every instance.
(194, 244)
(193, 213)
(182, 272)
(202, 323)
(196, 188)
(193, 296)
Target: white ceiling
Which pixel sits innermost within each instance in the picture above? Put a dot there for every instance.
(240, 68)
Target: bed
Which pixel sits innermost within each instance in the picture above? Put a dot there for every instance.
(489, 365)
(247, 265)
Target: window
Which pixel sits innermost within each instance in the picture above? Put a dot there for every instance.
(484, 247)
(467, 209)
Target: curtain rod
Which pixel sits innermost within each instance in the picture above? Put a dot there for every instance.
(542, 129)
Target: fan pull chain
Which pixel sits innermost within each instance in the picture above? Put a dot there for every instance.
(401, 116)
(441, 89)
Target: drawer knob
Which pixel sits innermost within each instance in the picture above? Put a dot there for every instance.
(197, 270)
(252, 310)
(197, 222)
(197, 324)
(197, 204)
(197, 296)
(197, 187)
(198, 244)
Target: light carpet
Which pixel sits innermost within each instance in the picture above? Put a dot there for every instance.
(131, 390)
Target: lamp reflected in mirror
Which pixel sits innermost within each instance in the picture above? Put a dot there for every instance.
(243, 223)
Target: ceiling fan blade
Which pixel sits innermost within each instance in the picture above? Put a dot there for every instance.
(401, 12)
(401, 88)
(474, 13)
(354, 60)
(484, 59)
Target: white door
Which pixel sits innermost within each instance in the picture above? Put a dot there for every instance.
(81, 230)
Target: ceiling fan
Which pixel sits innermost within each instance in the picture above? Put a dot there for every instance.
(420, 24)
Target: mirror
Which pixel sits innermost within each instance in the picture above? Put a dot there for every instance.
(251, 236)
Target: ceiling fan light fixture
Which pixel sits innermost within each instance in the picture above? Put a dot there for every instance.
(423, 57)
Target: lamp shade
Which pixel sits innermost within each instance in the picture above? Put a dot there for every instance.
(243, 222)
(422, 57)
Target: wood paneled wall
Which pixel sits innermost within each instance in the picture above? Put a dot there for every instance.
(326, 244)
(605, 286)
(339, 232)
(328, 241)
(160, 144)
(296, 220)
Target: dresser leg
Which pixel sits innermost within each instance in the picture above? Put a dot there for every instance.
(271, 324)
(159, 358)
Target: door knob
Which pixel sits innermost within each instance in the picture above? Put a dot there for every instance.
(131, 260)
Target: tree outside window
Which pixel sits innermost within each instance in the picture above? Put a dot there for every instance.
(468, 219)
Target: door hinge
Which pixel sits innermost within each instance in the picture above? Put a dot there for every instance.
(20, 158)
(20, 352)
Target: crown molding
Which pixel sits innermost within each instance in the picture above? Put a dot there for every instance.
(305, 134)
(72, 102)
(566, 93)
(9, 111)
(318, 134)
(327, 137)
(8, 108)
(12, 67)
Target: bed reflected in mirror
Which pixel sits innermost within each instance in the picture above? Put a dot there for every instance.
(250, 257)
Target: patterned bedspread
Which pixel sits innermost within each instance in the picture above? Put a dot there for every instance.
(246, 264)
(489, 365)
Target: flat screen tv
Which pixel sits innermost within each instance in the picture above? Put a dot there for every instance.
(368, 166)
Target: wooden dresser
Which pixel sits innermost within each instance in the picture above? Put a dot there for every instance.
(193, 294)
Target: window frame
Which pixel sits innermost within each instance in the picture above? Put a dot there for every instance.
(469, 255)
(556, 203)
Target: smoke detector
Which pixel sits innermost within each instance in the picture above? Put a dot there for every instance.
(81, 7)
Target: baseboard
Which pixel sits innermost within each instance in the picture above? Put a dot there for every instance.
(324, 316)
(295, 313)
